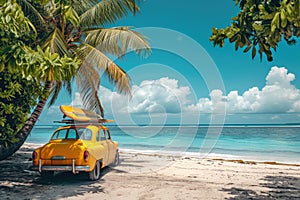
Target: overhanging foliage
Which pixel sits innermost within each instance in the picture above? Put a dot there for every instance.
(260, 26)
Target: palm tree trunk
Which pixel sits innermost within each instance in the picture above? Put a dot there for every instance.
(22, 135)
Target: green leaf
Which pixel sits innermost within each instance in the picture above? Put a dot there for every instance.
(56, 42)
(107, 12)
(275, 22)
(71, 15)
(283, 19)
(2, 66)
(7, 19)
(94, 57)
(118, 41)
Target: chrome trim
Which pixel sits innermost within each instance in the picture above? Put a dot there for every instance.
(40, 165)
(72, 167)
(63, 168)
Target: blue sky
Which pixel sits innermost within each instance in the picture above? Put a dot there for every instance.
(180, 81)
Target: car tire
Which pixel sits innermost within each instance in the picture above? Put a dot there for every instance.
(47, 174)
(95, 173)
(117, 160)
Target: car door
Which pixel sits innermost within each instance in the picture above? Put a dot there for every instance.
(111, 147)
(103, 142)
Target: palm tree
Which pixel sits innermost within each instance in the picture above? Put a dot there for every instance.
(78, 29)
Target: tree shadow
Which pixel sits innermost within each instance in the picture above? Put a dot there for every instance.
(280, 187)
(17, 181)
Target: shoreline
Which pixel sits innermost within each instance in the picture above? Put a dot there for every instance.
(241, 161)
(153, 176)
(292, 125)
(210, 156)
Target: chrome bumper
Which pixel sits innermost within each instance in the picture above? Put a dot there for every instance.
(72, 168)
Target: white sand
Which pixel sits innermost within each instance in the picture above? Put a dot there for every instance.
(142, 176)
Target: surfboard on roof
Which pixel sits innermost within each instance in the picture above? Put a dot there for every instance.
(82, 115)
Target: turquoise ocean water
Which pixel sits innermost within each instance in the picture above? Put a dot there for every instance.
(259, 143)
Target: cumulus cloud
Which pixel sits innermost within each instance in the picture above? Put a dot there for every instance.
(165, 95)
(151, 96)
(279, 95)
(77, 100)
(280, 76)
(159, 95)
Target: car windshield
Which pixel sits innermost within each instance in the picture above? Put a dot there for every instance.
(72, 133)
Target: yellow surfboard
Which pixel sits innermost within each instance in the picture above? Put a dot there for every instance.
(82, 115)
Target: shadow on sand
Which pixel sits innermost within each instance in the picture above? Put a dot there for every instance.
(18, 182)
(279, 187)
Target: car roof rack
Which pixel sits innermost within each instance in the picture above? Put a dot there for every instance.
(66, 121)
(73, 122)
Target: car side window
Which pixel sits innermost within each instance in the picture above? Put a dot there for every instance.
(85, 134)
(54, 136)
(61, 134)
(72, 134)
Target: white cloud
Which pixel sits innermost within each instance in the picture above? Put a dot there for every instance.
(165, 95)
(165, 100)
(77, 100)
(159, 95)
(277, 96)
(151, 96)
(280, 76)
(112, 101)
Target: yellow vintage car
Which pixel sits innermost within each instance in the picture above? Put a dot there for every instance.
(78, 147)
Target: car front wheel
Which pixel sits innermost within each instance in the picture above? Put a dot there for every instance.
(95, 173)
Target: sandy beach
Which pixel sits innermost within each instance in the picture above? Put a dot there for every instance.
(142, 176)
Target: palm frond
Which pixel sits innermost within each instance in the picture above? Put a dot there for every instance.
(54, 92)
(94, 57)
(107, 12)
(71, 16)
(88, 81)
(33, 13)
(118, 41)
(68, 87)
(56, 42)
(81, 6)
